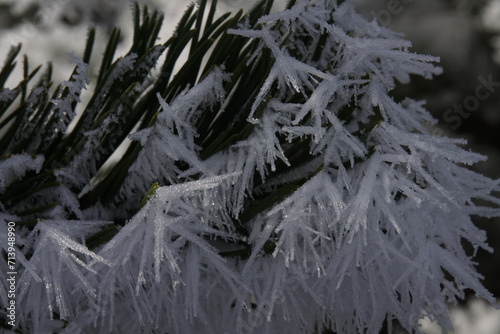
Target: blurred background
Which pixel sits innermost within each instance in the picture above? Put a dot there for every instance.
(465, 99)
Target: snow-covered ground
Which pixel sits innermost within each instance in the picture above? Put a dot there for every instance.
(477, 318)
(45, 38)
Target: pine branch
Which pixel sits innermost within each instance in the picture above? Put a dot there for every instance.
(273, 165)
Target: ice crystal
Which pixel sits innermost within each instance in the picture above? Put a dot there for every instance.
(16, 166)
(313, 200)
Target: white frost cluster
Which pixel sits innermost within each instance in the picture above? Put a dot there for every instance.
(15, 166)
(369, 228)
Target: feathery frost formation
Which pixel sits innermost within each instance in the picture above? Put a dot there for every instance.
(273, 185)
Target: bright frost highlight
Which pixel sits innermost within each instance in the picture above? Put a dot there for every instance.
(335, 210)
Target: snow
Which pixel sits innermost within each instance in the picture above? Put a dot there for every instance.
(477, 317)
(16, 166)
